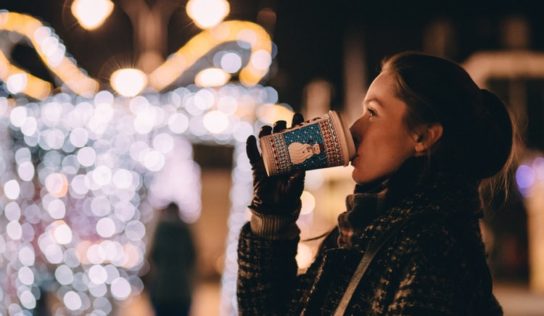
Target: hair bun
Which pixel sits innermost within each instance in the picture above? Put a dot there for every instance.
(494, 135)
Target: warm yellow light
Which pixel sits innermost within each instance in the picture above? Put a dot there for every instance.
(128, 82)
(212, 77)
(201, 44)
(308, 203)
(304, 256)
(52, 55)
(91, 13)
(270, 113)
(80, 83)
(207, 13)
(33, 86)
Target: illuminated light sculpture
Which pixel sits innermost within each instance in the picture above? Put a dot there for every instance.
(52, 53)
(50, 50)
(34, 87)
(229, 31)
(99, 155)
(86, 204)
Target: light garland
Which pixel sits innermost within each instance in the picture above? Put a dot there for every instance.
(82, 176)
(247, 34)
(53, 53)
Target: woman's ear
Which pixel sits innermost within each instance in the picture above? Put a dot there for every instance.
(426, 137)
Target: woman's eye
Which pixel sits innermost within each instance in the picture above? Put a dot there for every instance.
(371, 112)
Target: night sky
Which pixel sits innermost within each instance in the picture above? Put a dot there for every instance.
(309, 34)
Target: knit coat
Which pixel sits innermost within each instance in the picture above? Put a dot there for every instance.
(435, 266)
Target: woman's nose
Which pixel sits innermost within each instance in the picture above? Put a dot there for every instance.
(356, 131)
(355, 127)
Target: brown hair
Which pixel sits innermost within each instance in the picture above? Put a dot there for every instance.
(478, 131)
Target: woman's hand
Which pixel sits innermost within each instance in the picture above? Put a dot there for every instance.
(278, 194)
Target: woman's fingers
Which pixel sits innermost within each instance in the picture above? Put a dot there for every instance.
(297, 119)
(265, 130)
(252, 151)
(279, 126)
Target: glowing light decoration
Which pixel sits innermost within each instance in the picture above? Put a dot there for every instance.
(50, 50)
(308, 203)
(212, 77)
(86, 170)
(35, 87)
(53, 53)
(207, 13)
(248, 34)
(16, 83)
(91, 13)
(105, 166)
(128, 82)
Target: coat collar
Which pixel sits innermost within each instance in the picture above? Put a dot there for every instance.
(370, 214)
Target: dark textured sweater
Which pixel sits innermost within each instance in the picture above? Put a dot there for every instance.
(434, 267)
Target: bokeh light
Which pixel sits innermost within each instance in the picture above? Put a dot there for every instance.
(16, 83)
(207, 13)
(308, 203)
(304, 256)
(212, 77)
(91, 13)
(128, 82)
(99, 174)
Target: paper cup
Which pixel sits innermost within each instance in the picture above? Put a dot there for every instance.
(318, 143)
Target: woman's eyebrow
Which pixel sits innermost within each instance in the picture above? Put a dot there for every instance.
(374, 100)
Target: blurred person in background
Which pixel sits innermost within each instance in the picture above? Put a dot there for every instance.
(409, 242)
(170, 280)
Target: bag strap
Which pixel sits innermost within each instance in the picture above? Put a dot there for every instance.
(367, 258)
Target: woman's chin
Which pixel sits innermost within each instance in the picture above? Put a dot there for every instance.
(357, 177)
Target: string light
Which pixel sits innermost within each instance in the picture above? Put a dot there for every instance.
(207, 13)
(91, 13)
(102, 171)
(50, 50)
(128, 82)
(53, 53)
(104, 157)
(211, 77)
(251, 35)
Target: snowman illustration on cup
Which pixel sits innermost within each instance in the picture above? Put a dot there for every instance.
(300, 152)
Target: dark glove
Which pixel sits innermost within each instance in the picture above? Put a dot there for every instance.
(275, 195)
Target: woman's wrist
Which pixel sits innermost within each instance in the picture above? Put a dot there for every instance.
(275, 225)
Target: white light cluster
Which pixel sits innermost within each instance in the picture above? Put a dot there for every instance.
(80, 179)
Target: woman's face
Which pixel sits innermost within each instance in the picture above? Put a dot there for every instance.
(382, 140)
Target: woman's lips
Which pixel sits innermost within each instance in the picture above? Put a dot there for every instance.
(352, 161)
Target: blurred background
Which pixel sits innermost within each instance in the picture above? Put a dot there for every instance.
(123, 126)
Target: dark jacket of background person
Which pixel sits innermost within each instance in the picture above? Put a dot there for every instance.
(172, 265)
(436, 266)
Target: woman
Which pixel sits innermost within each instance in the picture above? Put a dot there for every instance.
(426, 138)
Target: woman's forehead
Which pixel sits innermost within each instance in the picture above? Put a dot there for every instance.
(383, 84)
(383, 93)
